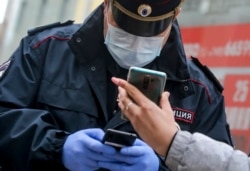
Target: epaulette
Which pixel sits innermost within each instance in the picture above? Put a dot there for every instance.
(56, 24)
(208, 73)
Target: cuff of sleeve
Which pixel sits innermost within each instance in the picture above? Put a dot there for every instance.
(179, 145)
(58, 144)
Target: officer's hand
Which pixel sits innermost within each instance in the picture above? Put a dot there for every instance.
(83, 149)
(137, 157)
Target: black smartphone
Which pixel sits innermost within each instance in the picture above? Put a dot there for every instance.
(118, 139)
(150, 82)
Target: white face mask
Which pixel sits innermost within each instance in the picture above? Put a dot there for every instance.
(130, 50)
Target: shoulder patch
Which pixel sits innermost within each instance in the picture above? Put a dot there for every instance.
(4, 67)
(41, 28)
(208, 73)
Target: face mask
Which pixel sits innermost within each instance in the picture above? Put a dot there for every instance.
(130, 50)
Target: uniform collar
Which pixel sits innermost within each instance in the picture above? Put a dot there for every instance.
(172, 59)
(88, 42)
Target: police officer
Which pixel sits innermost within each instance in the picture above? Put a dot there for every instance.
(57, 98)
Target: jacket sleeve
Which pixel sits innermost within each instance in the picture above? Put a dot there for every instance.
(207, 154)
(29, 137)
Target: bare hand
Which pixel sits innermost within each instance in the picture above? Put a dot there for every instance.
(155, 124)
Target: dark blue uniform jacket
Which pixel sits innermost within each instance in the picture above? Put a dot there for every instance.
(58, 82)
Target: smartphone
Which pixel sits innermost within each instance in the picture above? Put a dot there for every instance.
(118, 139)
(150, 82)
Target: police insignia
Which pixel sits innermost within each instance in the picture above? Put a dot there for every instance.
(183, 115)
(144, 10)
(4, 67)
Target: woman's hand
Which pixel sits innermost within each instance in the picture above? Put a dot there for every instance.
(155, 124)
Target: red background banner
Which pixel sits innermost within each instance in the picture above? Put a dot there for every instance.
(222, 45)
(237, 99)
(237, 90)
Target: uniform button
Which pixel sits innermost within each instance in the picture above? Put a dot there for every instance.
(185, 88)
(93, 68)
(78, 40)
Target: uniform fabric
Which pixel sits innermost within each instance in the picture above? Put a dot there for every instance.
(58, 82)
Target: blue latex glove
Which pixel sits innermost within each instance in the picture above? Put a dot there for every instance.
(84, 149)
(137, 157)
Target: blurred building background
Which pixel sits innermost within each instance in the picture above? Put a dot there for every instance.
(217, 32)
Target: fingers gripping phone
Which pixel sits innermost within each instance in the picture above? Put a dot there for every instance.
(118, 139)
(150, 82)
